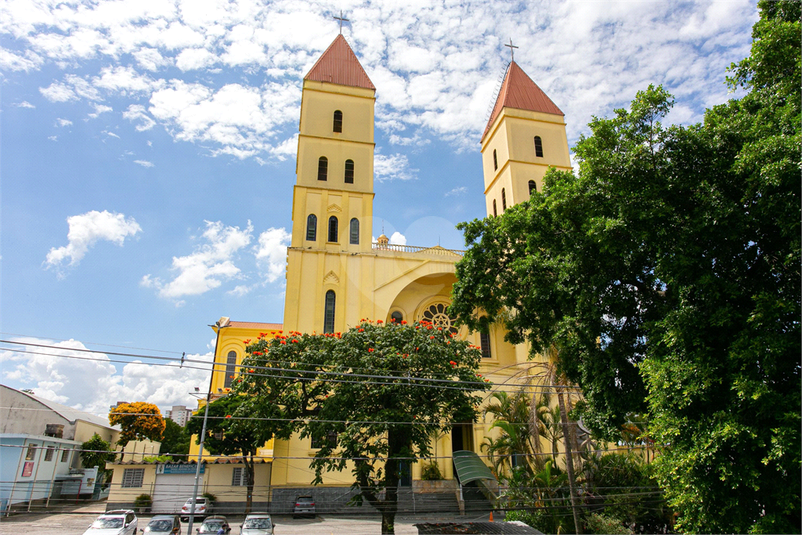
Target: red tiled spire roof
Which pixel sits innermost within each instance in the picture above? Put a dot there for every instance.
(338, 65)
(520, 92)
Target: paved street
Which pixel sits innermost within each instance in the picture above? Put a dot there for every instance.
(76, 522)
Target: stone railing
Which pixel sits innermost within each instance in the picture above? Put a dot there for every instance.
(436, 250)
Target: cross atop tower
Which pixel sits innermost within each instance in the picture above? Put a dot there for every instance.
(511, 46)
(342, 19)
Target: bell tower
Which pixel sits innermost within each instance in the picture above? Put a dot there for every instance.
(523, 138)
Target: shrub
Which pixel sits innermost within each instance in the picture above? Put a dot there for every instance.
(597, 523)
(430, 472)
(142, 503)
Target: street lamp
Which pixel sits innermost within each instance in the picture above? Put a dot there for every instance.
(194, 496)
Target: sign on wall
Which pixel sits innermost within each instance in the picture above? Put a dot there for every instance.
(178, 468)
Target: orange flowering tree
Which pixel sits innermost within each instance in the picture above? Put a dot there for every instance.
(373, 396)
(138, 420)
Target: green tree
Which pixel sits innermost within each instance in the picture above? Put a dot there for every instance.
(232, 429)
(138, 420)
(666, 274)
(374, 395)
(175, 440)
(97, 452)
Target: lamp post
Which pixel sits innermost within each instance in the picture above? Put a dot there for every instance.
(194, 496)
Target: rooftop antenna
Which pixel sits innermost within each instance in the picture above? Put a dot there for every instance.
(342, 19)
(511, 46)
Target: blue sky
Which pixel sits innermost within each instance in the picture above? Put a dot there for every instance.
(147, 151)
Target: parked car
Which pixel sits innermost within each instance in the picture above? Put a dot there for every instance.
(121, 522)
(304, 505)
(202, 508)
(164, 524)
(212, 525)
(257, 524)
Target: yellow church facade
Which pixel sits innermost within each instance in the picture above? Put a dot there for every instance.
(337, 275)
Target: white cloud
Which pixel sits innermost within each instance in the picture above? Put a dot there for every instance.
(61, 373)
(25, 104)
(58, 92)
(271, 253)
(85, 230)
(205, 268)
(63, 122)
(151, 60)
(195, 58)
(457, 191)
(398, 239)
(393, 167)
(137, 113)
(143, 163)
(100, 108)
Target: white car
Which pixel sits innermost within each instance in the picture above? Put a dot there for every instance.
(257, 524)
(114, 523)
(202, 509)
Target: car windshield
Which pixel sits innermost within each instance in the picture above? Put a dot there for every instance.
(211, 526)
(200, 501)
(160, 525)
(107, 523)
(257, 523)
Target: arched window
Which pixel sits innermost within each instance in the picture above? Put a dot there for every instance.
(532, 187)
(484, 340)
(322, 168)
(311, 227)
(231, 368)
(538, 147)
(495, 212)
(328, 314)
(355, 231)
(503, 200)
(495, 160)
(338, 121)
(349, 171)
(397, 317)
(333, 231)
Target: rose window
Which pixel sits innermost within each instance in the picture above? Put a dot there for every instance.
(437, 315)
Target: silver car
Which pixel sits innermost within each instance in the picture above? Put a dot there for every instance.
(122, 522)
(164, 524)
(257, 524)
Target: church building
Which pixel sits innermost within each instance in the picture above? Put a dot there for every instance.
(336, 275)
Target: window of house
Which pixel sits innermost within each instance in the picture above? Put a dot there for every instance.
(503, 200)
(31, 453)
(328, 314)
(49, 453)
(133, 477)
(239, 477)
(484, 341)
(231, 368)
(311, 227)
(349, 171)
(495, 160)
(538, 147)
(397, 316)
(338, 121)
(322, 168)
(65, 456)
(495, 212)
(355, 231)
(532, 187)
(319, 441)
(333, 230)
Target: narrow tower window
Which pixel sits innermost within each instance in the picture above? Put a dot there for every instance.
(328, 317)
(355, 231)
(231, 365)
(338, 121)
(484, 340)
(333, 229)
(503, 200)
(322, 168)
(349, 171)
(538, 147)
(532, 187)
(495, 160)
(495, 212)
(311, 227)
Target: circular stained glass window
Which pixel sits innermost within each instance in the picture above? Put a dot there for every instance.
(437, 315)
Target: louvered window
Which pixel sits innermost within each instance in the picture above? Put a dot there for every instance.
(322, 168)
(311, 227)
(328, 318)
(133, 477)
(231, 368)
(338, 121)
(355, 231)
(503, 200)
(333, 230)
(538, 147)
(349, 171)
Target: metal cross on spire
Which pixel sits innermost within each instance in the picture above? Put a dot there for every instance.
(341, 19)
(512, 49)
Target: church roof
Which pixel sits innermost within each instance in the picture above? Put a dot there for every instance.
(520, 92)
(256, 325)
(339, 65)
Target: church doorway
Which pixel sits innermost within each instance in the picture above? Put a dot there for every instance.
(462, 437)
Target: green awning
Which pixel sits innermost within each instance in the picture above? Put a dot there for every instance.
(470, 467)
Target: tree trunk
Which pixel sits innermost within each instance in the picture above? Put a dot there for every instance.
(569, 458)
(249, 476)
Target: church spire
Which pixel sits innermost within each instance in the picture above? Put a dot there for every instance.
(339, 65)
(520, 92)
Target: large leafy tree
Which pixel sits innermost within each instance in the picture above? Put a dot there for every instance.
(175, 439)
(97, 452)
(667, 277)
(138, 420)
(374, 394)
